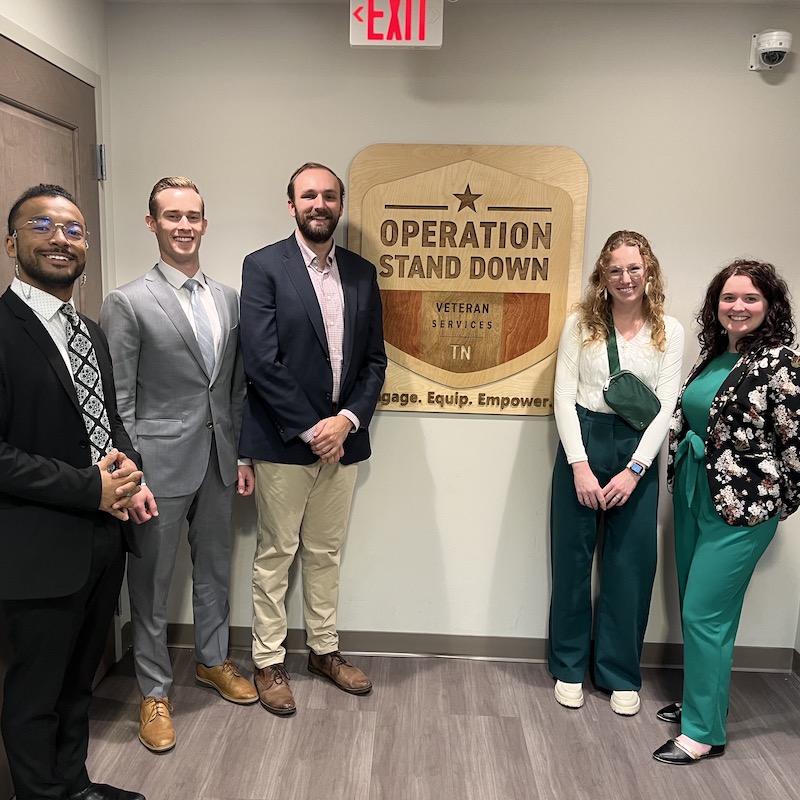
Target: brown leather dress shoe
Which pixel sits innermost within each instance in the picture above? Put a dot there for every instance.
(156, 731)
(228, 681)
(333, 667)
(274, 691)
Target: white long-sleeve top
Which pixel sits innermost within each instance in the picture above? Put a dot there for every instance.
(581, 372)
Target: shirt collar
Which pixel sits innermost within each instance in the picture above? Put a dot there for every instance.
(176, 278)
(309, 255)
(43, 303)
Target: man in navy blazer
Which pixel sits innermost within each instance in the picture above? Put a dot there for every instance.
(63, 504)
(312, 341)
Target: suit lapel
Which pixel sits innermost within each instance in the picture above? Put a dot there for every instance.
(32, 325)
(350, 288)
(298, 274)
(164, 294)
(729, 389)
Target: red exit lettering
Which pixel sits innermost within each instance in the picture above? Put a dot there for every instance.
(400, 24)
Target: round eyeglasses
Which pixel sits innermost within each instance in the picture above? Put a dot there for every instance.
(46, 229)
(615, 273)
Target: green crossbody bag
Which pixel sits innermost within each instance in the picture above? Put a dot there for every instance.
(631, 399)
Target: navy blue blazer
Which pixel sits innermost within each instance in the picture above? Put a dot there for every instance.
(286, 360)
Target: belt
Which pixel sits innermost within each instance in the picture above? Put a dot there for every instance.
(690, 457)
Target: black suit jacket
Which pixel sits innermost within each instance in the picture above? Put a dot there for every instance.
(49, 489)
(286, 357)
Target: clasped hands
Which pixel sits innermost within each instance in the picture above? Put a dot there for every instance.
(140, 505)
(590, 494)
(120, 485)
(327, 440)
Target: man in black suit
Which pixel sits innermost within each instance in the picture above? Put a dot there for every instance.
(68, 473)
(312, 341)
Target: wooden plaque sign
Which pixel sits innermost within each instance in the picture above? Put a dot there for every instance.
(478, 251)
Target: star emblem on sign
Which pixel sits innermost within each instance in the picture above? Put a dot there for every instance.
(467, 198)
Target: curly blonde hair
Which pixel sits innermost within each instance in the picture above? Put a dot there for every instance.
(595, 307)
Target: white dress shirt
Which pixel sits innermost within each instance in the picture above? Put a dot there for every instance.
(176, 279)
(327, 283)
(46, 307)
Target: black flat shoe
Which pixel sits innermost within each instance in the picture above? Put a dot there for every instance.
(674, 753)
(670, 713)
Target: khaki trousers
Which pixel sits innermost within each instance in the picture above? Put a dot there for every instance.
(306, 508)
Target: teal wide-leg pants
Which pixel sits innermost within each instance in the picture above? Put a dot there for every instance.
(627, 562)
(715, 563)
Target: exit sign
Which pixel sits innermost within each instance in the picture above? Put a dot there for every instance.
(396, 23)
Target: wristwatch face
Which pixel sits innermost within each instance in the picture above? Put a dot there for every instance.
(636, 469)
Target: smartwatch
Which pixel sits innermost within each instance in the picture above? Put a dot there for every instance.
(636, 468)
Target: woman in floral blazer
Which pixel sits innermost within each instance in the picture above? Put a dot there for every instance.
(734, 468)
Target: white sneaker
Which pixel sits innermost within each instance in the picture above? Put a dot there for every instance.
(625, 703)
(569, 694)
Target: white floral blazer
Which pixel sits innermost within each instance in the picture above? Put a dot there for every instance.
(752, 454)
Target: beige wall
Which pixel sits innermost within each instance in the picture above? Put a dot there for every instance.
(70, 33)
(448, 532)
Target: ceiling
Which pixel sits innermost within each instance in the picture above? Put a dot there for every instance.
(475, 2)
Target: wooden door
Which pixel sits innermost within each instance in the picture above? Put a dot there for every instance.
(47, 135)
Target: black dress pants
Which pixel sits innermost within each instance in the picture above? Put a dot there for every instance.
(56, 645)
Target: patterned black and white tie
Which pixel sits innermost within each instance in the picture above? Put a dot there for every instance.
(88, 383)
(205, 338)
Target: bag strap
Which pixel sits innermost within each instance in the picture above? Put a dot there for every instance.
(611, 346)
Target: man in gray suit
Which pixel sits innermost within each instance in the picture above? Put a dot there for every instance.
(174, 340)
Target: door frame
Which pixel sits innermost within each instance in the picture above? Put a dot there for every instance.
(32, 83)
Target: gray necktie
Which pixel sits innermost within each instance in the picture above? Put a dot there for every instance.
(203, 327)
(88, 383)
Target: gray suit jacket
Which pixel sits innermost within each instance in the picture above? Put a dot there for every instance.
(168, 402)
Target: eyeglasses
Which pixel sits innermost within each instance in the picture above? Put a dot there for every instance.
(46, 229)
(615, 273)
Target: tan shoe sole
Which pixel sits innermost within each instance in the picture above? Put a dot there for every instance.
(211, 685)
(163, 749)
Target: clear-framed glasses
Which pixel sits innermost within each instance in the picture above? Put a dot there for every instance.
(615, 273)
(46, 229)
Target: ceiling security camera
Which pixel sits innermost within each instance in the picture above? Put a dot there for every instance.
(769, 48)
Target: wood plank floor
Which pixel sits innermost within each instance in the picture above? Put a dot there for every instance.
(441, 729)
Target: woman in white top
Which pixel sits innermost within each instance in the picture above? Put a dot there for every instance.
(606, 474)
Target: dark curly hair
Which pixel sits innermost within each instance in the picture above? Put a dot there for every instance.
(778, 325)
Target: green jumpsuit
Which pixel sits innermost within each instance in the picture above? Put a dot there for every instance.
(715, 562)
